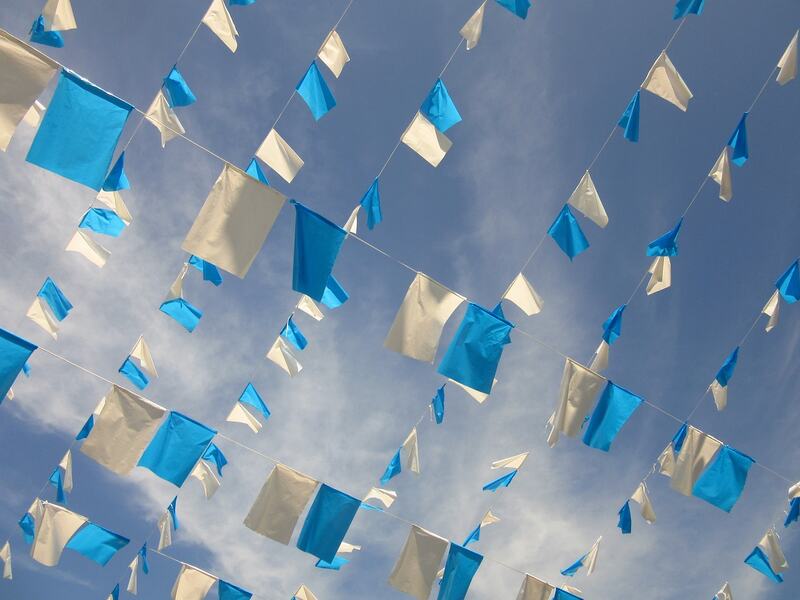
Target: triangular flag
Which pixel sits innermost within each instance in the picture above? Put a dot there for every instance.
(303, 593)
(439, 107)
(629, 121)
(385, 497)
(116, 179)
(308, 306)
(664, 81)
(351, 226)
(600, 358)
(240, 414)
(567, 233)
(58, 16)
(316, 93)
(502, 481)
(660, 275)
(82, 244)
(291, 333)
(141, 352)
(279, 156)
(787, 65)
(371, 203)
(772, 310)
(667, 244)
(282, 356)
(178, 91)
(48, 38)
(586, 199)
(333, 53)
(512, 462)
(219, 21)
(472, 29)
(427, 141)
(521, 293)
(164, 118)
(624, 523)
(738, 142)
(721, 173)
(686, 7)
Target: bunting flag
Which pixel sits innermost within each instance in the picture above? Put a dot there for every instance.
(306, 305)
(479, 397)
(97, 543)
(164, 532)
(738, 143)
(315, 92)
(534, 589)
(600, 357)
(303, 593)
(624, 523)
(664, 81)
(114, 201)
(416, 567)
(66, 465)
(518, 7)
(417, 327)
(660, 275)
(192, 583)
(317, 242)
(579, 389)
(588, 560)
(725, 593)
(567, 233)
(427, 141)
(629, 121)
(14, 353)
(641, 497)
(281, 355)
(586, 200)
(695, 451)
(437, 405)
(38, 34)
(24, 74)
(719, 387)
(615, 407)
(475, 534)
(351, 226)
(407, 454)
(291, 333)
(327, 523)
(385, 497)
(439, 107)
(502, 481)
(772, 310)
(5, 556)
(687, 7)
(240, 414)
(612, 326)
(722, 483)
(177, 307)
(334, 295)
(459, 570)
(138, 373)
(787, 65)
(333, 54)
(255, 171)
(57, 481)
(249, 397)
(116, 179)
(472, 29)
(228, 591)
(234, 222)
(163, 118)
(793, 514)
(203, 473)
(58, 16)
(219, 21)
(102, 221)
(280, 156)
(721, 174)
(767, 557)
(371, 203)
(788, 284)
(79, 131)
(55, 526)
(178, 91)
(521, 293)
(667, 244)
(210, 272)
(39, 313)
(512, 462)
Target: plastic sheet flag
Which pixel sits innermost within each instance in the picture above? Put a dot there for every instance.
(38, 34)
(315, 92)
(280, 156)
(579, 389)
(334, 295)
(667, 244)
(5, 556)
(183, 312)
(282, 499)
(327, 522)
(335, 565)
(518, 7)
(427, 141)
(719, 387)
(721, 174)
(588, 560)
(641, 497)
(40, 313)
(687, 7)
(512, 462)
(234, 221)
(205, 475)
(787, 65)
(586, 200)
(307, 305)
(793, 514)
(351, 226)
(624, 523)
(34, 115)
(768, 558)
(612, 326)
(24, 74)
(66, 466)
(55, 299)
(788, 284)
(133, 580)
(164, 532)
(163, 118)
(393, 468)
(475, 351)
(28, 521)
(58, 16)
(664, 81)
(417, 327)
(615, 407)
(210, 272)
(521, 293)
(240, 414)
(475, 535)
(738, 142)
(57, 481)
(86, 429)
(600, 358)
(567, 233)
(281, 355)
(371, 203)
(479, 397)
(563, 594)
(629, 121)
(502, 481)
(439, 108)
(291, 332)
(102, 221)
(219, 21)
(251, 397)
(385, 497)
(303, 593)
(192, 583)
(333, 54)
(722, 483)
(534, 589)
(772, 310)
(317, 242)
(79, 132)
(54, 529)
(472, 29)
(255, 171)
(114, 595)
(724, 593)
(228, 591)
(460, 568)
(214, 455)
(660, 275)
(696, 453)
(116, 179)
(176, 448)
(114, 201)
(437, 405)
(97, 543)
(178, 91)
(172, 509)
(14, 353)
(416, 568)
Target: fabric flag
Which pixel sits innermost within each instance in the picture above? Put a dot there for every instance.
(641, 497)
(629, 121)
(460, 568)
(178, 308)
(521, 293)
(14, 352)
(133, 579)
(512, 462)
(163, 118)
(333, 54)
(660, 275)
(738, 142)
(721, 174)
(279, 156)
(385, 497)
(102, 221)
(5, 556)
(24, 74)
(787, 65)
(615, 407)
(334, 295)
(664, 81)
(624, 523)
(772, 310)
(66, 465)
(97, 543)
(214, 455)
(438, 405)
(567, 233)
(725, 593)
(116, 179)
(40, 313)
(38, 34)
(472, 29)
(315, 92)
(686, 7)
(788, 284)
(79, 131)
(793, 514)
(134, 374)
(588, 560)
(86, 429)
(600, 358)
(255, 171)
(282, 499)
(57, 481)
(427, 141)
(612, 326)
(252, 398)
(219, 21)
(176, 448)
(303, 593)
(236, 218)
(114, 595)
(54, 528)
(534, 589)
(291, 332)
(502, 481)
(327, 523)
(695, 455)
(281, 355)
(667, 244)
(228, 591)
(407, 454)
(351, 226)
(586, 200)
(82, 244)
(192, 583)
(475, 351)
(416, 568)
(371, 203)
(115, 202)
(164, 532)
(56, 300)
(307, 305)
(317, 242)
(767, 557)
(240, 414)
(719, 387)
(479, 397)
(518, 7)
(418, 325)
(579, 389)
(58, 16)
(439, 108)
(563, 594)
(475, 534)
(722, 483)
(335, 565)
(209, 271)
(178, 91)
(205, 475)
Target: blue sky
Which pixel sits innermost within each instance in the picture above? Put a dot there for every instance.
(538, 98)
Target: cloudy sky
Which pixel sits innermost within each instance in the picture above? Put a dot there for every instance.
(538, 98)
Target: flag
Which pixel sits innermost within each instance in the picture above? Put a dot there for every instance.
(317, 242)
(281, 355)
(461, 566)
(787, 65)
(291, 332)
(116, 179)
(58, 16)
(738, 142)
(615, 407)
(315, 92)
(721, 173)
(518, 7)
(722, 483)
(371, 203)
(788, 284)
(439, 107)
(163, 118)
(472, 29)
(333, 54)
(664, 81)
(416, 567)
(521, 293)
(629, 121)
(567, 233)
(586, 200)
(219, 21)
(279, 156)
(175, 448)
(327, 522)
(178, 91)
(427, 141)
(38, 34)
(686, 7)
(612, 326)
(667, 244)
(578, 391)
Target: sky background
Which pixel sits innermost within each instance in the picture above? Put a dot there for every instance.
(538, 98)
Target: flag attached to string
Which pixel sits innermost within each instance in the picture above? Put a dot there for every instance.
(205, 475)
(787, 65)
(667, 244)
(317, 242)
(406, 456)
(116, 179)
(642, 498)
(612, 326)
(687, 7)
(788, 284)
(192, 584)
(427, 141)
(371, 203)
(439, 107)
(459, 570)
(38, 35)
(418, 563)
(307, 305)
(219, 21)
(664, 81)
(724, 593)
(579, 389)
(14, 353)
(624, 523)
(475, 534)
(114, 201)
(163, 118)
(721, 174)
(793, 514)
(177, 307)
(472, 29)
(102, 221)
(49, 307)
(327, 523)
(521, 293)
(351, 226)
(629, 121)
(255, 171)
(588, 560)
(738, 143)
(615, 406)
(280, 156)
(660, 275)
(315, 92)
(291, 332)
(5, 556)
(333, 54)
(334, 295)
(767, 557)
(586, 200)
(534, 589)
(240, 413)
(281, 355)
(58, 16)
(210, 272)
(178, 91)
(437, 405)
(722, 483)
(719, 387)
(772, 310)
(518, 7)
(567, 233)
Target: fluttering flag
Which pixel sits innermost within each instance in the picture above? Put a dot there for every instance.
(476, 349)
(57, 481)
(317, 242)
(417, 327)
(787, 65)
(407, 455)
(664, 81)
(588, 560)
(686, 7)
(234, 221)
(767, 557)
(315, 92)
(240, 413)
(39, 313)
(97, 543)
(724, 593)
(461, 566)
(772, 310)
(719, 387)
(521, 293)
(475, 534)
(333, 54)
(114, 595)
(38, 35)
(278, 506)
(178, 91)
(55, 526)
(502, 481)
(385, 497)
(24, 74)
(472, 29)
(58, 16)
(695, 451)
(439, 108)
(163, 118)
(788, 284)
(34, 115)
(738, 143)
(306, 305)
(641, 497)
(518, 7)
(427, 141)
(14, 352)
(335, 565)
(205, 475)
(567, 233)
(534, 589)
(615, 407)
(579, 389)
(192, 583)
(5, 556)
(721, 174)
(612, 326)
(281, 355)
(479, 397)
(667, 244)
(279, 156)
(51, 296)
(116, 179)
(176, 447)
(214, 455)
(723, 481)
(586, 200)
(228, 591)
(512, 462)
(66, 466)
(371, 203)
(255, 171)
(600, 358)
(210, 272)
(624, 523)
(219, 21)
(334, 295)
(351, 226)
(291, 332)
(164, 532)
(303, 593)
(79, 131)
(793, 514)
(177, 307)
(86, 429)
(327, 523)
(139, 559)
(114, 201)
(629, 121)
(416, 567)
(660, 275)
(102, 221)
(437, 405)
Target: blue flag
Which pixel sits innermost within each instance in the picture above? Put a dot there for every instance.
(794, 512)
(116, 179)
(371, 203)
(143, 556)
(115, 593)
(215, 455)
(788, 284)
(14, 352)
(210, 272)
(86, 429)
(738, 143)
(183, 312)
(327, 522)
(79, 131)
(759, 561)
(173, 512)
(241, 2)
(228, 591)
(722, 483)
(438, 405)
(97, 543)
(134, 374)
(629, 121)
(574, 567)
(313, 89)
(291, 332)
(686, 7)
(726, 370)
(55, 298)
(47, 38)
(255, 171)
(518, 7)
(564, 595)
(624, 523)
(57, 481)
(667, 244)
(176, 447)
(178, 92)
(612, 326)
(567, 233)
(28, 526)
(614, 408)
(439, 108)
(497, 311)
(253, 398)
(104, 221)
(393, 468)
(679, 438)
(335, 565)
(317, 242)
(502, 481)
(334, 295)
(474, 536)
(460, 568)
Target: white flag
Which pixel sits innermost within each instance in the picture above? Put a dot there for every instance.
(579, 389)
(39, 313)
(472, 29)
(643, 499)
(141, 352)
(600, 359)
(133, 580)
(534, 589)
(88, 248)
(664, 81)
(787, 65)
(591, 559)
(5, 556)
(385, 497)
(333, 53)
(479, 397)
(427, 141)
(280, 156)
(771, 545)
(489, 519)
(303, 593)
(696, 454)
(352, 221)
(58, 16)
(163, 118)
(409, 452)
(521, 293)
(720, 393)
(54, 529)
(586, 199)
(114, 201)
(772, 310)
(205, 475)
(281, 355)
(66, 464)
(416, 568)
(345, 548)
(794, 491)
(660, 275)
(218, 20)
(721, 173)
(308, 306)
(725, 593)
(512, 462)
(192, 584)
(240, 414)
(164, 531)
